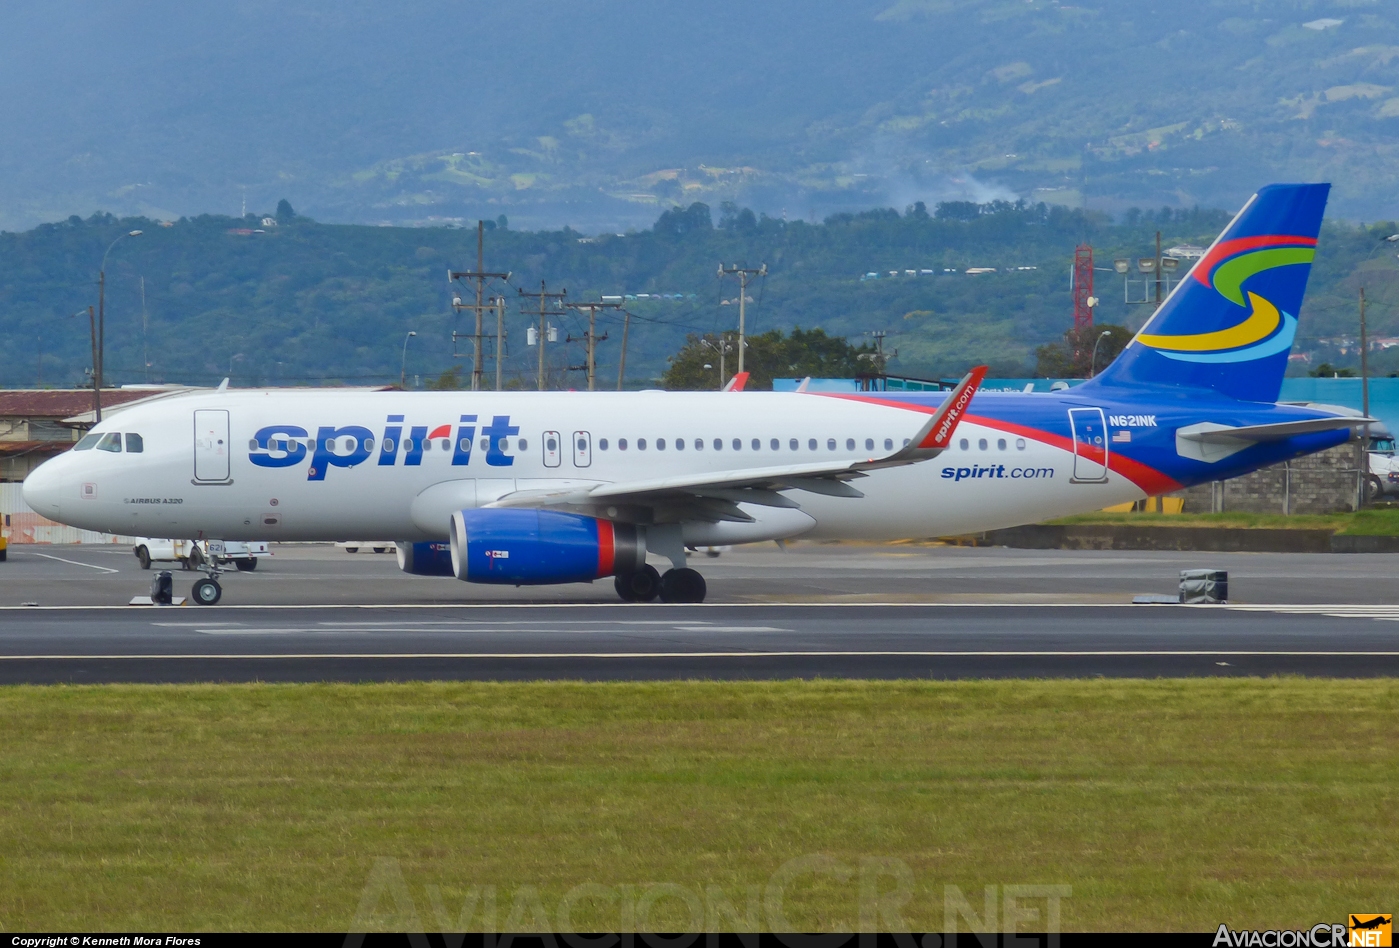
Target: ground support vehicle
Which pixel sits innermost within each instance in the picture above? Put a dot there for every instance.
(194, 554)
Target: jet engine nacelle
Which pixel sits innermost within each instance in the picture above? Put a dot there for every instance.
(425, 559)
(523, 547)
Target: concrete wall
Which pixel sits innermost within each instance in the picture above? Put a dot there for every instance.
(1320, 483)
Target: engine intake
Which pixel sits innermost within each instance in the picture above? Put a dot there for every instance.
(425, 559)
(538, 547)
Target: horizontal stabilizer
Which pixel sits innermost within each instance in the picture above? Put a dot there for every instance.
(1210, 442)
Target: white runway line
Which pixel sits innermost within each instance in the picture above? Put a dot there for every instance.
(46, 556)
(734, 654)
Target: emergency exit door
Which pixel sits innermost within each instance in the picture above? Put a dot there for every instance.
(1090, 445)
(211, 447)
(582, 449)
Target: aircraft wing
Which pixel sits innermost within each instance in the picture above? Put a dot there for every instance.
(715, 495)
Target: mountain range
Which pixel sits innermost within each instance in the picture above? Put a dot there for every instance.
(601, 114)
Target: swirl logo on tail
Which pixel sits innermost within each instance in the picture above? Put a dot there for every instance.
(1265, 331)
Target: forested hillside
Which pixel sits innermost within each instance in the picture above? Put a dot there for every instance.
(310, 303)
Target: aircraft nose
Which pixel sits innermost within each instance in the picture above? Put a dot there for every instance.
(43, 489)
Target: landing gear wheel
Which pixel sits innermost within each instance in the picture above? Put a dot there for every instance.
(1374, 489)
(682, 585)
(143, 556)
(642, 586)
(207, 592)
(245, 566)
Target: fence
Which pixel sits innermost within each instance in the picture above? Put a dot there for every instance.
(23, 525)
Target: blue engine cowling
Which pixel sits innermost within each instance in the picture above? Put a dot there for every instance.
(425, 559)
(523, 547)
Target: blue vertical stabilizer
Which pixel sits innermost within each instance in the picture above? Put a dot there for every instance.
(1228, 326)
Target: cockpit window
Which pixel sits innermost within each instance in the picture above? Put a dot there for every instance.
(88, 443)
(134, 443)
(1382, 445)
(111, 441)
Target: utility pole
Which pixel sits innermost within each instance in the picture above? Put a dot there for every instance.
(745, 276)
(145, 348)
(622, 363)
(479, 276)
(592, 338)
(499, 340)
(96, 376)
(545, 331)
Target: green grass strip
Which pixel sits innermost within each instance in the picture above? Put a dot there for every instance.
(1168, 804)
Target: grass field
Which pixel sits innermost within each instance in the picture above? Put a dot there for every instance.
(1383, 521)
(1161, 804)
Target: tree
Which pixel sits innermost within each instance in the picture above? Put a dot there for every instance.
(284, 211)
(1070, 359)
(448, 381)
(1328, 371)
(679, 221)
(770, 355)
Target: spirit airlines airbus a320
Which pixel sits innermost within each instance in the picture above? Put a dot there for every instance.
(533, 488)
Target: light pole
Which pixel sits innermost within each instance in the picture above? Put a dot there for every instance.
(102, 325)
(723, 347)
(403, 363)
(1093, 362)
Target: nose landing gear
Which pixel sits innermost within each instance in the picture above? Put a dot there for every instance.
(207, 591)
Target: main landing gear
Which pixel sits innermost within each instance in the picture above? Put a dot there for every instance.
(676, 585)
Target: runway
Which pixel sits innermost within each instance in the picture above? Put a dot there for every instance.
(722, 641)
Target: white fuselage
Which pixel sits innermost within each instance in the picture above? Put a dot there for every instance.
(194, 478)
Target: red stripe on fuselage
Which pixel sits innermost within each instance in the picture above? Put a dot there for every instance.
(1147, 478)
(606, 547)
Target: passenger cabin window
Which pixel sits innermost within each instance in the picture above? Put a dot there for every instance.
(602, 444)
(680, 444)
(811, 445)
(775, 444)
(963, 444)
(757, 444)
(1000, 444)
(792, 444)
(660, 444)
(981, 443)
(718, 444)
(523, 445)
(1020, 444)
(699, 444)
(111, 441)
(641, 444)
(869, 444)
(738, 444)
(621, 444)
(87, 443)
(850, 444)
(888, 444)
(134, 444)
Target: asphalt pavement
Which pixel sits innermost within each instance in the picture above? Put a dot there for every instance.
(314, 613)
